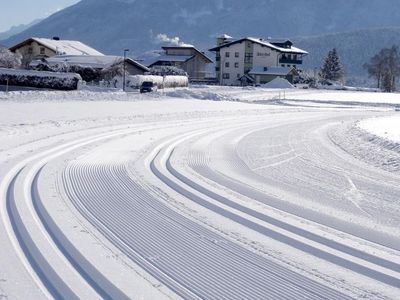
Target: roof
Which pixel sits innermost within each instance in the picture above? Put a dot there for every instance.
(190, 47)
(64, 47)
(94, 61)
(262, 42)
(169, 58)
(280, 71)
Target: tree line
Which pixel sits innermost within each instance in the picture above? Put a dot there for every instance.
(384, 67)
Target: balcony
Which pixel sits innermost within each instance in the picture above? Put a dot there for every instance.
(290, 61)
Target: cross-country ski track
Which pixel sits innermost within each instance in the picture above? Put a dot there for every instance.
(198, 209)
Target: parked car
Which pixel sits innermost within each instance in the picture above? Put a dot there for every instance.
(148, 87)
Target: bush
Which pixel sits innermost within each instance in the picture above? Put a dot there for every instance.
(37, 79)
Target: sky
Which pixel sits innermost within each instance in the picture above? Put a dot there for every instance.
(16, 12)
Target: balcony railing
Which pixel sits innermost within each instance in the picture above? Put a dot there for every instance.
(290, 61)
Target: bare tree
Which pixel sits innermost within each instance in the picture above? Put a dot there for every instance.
(385, 68)
(376, 67)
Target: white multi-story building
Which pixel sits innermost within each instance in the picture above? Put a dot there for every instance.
(238, 61)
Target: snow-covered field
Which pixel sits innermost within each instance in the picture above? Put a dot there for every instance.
(200, 193)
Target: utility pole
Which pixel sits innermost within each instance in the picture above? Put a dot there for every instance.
(125, 51)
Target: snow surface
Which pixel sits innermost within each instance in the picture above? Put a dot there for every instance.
(278, 83)
(40, 74)
(161, 196)
(386, 128)
(67, 47)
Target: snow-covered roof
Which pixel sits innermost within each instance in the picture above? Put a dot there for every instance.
(63, 47)
(94, 61)
(280, 49)
(168, 58)
(262, 42)
(280, 71)
(189, 47)
(22, 72)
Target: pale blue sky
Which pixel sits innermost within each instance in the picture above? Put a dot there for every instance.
(16, 12)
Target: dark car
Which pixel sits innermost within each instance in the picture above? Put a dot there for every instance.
(148, 87)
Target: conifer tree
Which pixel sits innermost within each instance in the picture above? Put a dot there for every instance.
(332, 69)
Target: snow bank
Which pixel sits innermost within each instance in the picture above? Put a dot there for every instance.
(39, 79)
(197, 94)
(384, 127)
(278, 83)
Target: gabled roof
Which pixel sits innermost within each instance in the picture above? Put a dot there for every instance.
(64, 47)
(264, 43)
(279, 71)
(93, 61)
(169, 58)
(192, 48)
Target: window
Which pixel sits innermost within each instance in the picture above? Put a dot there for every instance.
(42, 50)
(282, 66)
(226, 76)
(236, 65)
(227, 64)
(236, 54)
(295, 56)
(248, 59)
(30, 50)
(227, 54)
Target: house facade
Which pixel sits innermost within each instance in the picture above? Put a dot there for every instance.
(187, 58)
(237, 58)
(39, 48)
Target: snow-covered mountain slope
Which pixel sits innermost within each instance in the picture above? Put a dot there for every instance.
(113, 25)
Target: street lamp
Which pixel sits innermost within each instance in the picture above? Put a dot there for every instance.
(125, 51)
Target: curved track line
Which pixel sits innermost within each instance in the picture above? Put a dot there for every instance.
(343, 262)
(47, 277)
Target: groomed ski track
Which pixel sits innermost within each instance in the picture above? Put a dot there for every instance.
(199, 161)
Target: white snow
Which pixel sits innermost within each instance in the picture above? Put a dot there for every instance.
(229, 197)
(67, 47)
(278, 83)
(41, 74)
(387, 128)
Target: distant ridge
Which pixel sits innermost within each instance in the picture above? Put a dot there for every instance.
(17, 29)
(142, 25)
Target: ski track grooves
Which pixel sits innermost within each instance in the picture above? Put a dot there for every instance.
(193, 257)
(46, 273)
(185, 256)
(278, 236)
(51, 279)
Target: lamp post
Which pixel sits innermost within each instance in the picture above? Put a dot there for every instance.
(125, 51)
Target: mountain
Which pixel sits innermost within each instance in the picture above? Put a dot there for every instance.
(17, 29)
(142, 25)
(113, 25)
